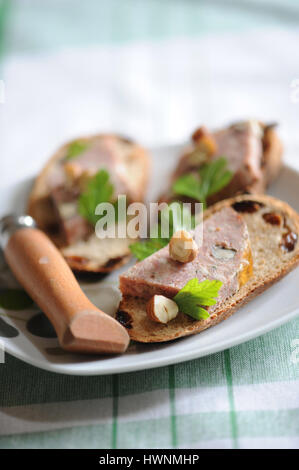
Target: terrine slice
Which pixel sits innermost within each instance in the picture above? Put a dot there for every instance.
(241, 145)
(225, 255)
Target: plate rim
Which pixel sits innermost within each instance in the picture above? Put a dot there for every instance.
(159, 362)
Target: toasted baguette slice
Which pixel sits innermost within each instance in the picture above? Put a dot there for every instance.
(273, 228)
(272, 154)
(88, 253)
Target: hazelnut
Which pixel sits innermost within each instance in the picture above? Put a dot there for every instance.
(207, 145)
(161, 309)
(84, 179)
(204, 141)
(223, 253)
(72, 171)
(199, 133)
(77, 175)
(182, 247)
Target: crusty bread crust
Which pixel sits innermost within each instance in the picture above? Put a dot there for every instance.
(40, 206)
(81, 265)
(132, 313)
(272, 155)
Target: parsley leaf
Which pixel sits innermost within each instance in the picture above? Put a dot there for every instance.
(75, 148)
(194, 295)
(143, 249)
(211, 177)
(99, 189)
(214, 176)
(188, 185)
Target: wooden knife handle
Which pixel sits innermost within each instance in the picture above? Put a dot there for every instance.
(41, 269)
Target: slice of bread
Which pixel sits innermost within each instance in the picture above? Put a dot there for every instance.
(89, 254)
(273, 228)
(272, 154)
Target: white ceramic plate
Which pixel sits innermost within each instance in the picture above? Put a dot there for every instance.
(271, 309)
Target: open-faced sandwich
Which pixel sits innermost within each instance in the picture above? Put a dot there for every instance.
(242, 158)
(249, 243)
(82, 174)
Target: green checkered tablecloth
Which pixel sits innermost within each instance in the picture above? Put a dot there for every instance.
(244, 397)
(236, 398)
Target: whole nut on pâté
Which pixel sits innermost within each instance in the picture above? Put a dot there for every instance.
(182, 247)
(161, 309)
(76, 175)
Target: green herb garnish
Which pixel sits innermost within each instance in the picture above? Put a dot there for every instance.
(194, 295)
(143, 249)
(76, 148)
(210, 179)
(99, 189)
(188, 185)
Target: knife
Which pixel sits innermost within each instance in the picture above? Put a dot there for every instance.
(40, 268)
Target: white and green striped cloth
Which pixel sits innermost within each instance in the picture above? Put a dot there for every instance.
(154, 70)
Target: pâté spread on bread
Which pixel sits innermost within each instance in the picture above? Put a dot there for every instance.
(82, 174)
(253, 153)
(249, 242)
(225, 255)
